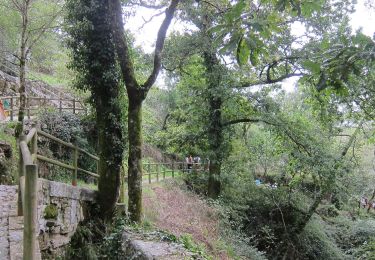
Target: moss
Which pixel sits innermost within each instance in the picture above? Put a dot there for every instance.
(51, 212)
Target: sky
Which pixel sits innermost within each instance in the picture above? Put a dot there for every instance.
(146, 33)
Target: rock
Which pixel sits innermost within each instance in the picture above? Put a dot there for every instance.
(139, 247)
(6, 149)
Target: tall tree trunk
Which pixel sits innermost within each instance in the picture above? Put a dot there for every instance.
(215, 137)
(22, 73)
(135, 159)
(215, 128)
(136, 94)
(110, 154)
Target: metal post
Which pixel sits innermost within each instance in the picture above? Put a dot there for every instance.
(30, 210)
(74, 106)
(163, 171)
(60, 105)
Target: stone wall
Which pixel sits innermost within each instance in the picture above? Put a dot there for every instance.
(60, 208)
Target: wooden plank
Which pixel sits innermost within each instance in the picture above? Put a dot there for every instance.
(88, 172)
(45, 159)
(30, 135)
(26, 155)
(30, 207)
(75, 165)
(88, 154)
(42, 133)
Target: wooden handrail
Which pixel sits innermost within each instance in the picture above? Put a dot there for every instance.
(55, 162)
(25, 153)
(42, 133)
(30, 135)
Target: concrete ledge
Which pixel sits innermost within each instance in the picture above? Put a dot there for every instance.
(63, 190)
(139, 247)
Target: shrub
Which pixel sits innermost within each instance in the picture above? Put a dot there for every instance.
(69, 128)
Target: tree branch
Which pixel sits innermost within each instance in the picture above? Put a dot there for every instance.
(160, 44)
(122, 49)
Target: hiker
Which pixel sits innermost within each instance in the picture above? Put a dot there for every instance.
(197, 159)
(363, 202)
(190, 162)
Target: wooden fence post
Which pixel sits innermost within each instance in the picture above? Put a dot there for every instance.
(11, 108)
(34, 144)
(30, 210)
(60, 105)
(28, 107)
(149, 173)
(172, 165)
(157, 172)
(21, 172)
(74, 106)
(75, 165)
(163, 171)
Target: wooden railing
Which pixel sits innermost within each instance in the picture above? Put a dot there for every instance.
(159, 170)
(28, 177)
(35, 103)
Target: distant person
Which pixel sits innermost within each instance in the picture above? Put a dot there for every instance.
(197, 159)
(190, 162)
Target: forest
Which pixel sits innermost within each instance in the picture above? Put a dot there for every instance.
(274, 98)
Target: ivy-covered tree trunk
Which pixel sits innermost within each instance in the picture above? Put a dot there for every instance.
(214, 95)
(111, 146)
(94, 58)
(135, 158)
(215, 129)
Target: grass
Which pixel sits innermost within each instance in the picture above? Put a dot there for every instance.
(8, 138)
(83, 184)
(49, 79)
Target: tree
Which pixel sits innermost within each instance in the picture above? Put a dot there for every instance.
(34, 24)
(136, 94)
(91, 41)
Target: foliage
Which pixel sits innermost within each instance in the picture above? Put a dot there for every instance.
(51, 211)
(91, 42)
(189, 244)
(9, 174)
(69, 128)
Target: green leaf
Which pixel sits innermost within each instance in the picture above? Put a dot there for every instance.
(254, 58)
(311, 66)
(243, 52)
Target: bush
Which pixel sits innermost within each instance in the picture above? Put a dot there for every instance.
(315, 242)
(69, 128)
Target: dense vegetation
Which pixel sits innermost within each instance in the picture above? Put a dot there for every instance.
(287, 168)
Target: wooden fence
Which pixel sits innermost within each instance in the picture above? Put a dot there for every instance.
(11, 105)
(160, 170)
(28, 176)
